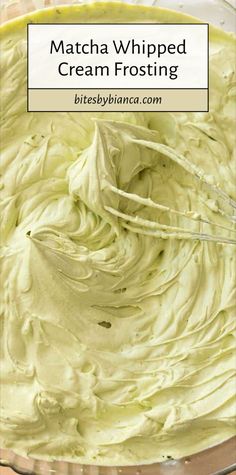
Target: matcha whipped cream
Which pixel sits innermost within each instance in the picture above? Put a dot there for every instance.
(118, 267)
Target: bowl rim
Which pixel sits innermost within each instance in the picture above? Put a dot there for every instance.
(219, 459)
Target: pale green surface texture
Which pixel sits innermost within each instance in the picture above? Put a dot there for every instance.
(118, 268)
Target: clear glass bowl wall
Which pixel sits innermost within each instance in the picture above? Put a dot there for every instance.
(219, 460)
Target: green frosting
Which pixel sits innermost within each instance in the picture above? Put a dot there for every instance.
(118, 267)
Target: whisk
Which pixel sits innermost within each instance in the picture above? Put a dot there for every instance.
(137, 224)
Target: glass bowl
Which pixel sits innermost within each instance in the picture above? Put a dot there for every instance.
(217, 460)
